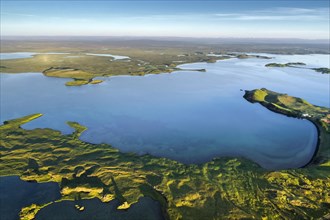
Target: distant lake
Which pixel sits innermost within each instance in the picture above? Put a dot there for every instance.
(21, 55)
(187, 116)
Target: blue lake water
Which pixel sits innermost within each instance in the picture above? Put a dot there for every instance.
(18, 55)
(16, 194)
(188, 116)
(21, 55)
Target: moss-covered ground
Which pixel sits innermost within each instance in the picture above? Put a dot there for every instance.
(224, 188)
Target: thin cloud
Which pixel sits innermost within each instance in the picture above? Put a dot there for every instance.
(276, 18)
(278, 14)
(18, 14)
(275, 14)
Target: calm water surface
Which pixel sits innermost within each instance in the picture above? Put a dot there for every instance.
(16, 194)
(188, 116)
(21, 55)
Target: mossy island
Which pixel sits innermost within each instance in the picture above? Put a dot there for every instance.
(79, 77)
(322, 70)
(247, 56)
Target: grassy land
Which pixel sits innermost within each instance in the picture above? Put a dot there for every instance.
(225, 188)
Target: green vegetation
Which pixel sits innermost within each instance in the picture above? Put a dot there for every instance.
(96, 81)
(77, 82)
(298, 108)
(80, 77)
(225, 188)
(18, 122)
(67, 72)
(285, 64)
(322, 70)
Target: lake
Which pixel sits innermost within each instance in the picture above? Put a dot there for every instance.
(187, 116)
(16, 194)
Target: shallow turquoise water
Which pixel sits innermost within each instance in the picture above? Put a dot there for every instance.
(188, 116)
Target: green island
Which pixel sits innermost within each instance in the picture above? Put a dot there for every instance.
(79, 77)
(228, 188)
(73, 59)
(322, 70)
(285, 64)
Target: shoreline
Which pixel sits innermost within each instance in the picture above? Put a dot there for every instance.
(283, 111)
(317, 147)
(128, 176)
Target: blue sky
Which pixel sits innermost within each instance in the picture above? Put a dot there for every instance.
(240, 19)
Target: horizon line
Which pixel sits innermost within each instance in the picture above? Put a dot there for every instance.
(151, 36)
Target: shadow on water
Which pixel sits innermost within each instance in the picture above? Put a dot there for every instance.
(145, 209)
(16, 194)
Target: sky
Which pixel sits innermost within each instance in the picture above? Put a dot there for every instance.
(304, 19)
